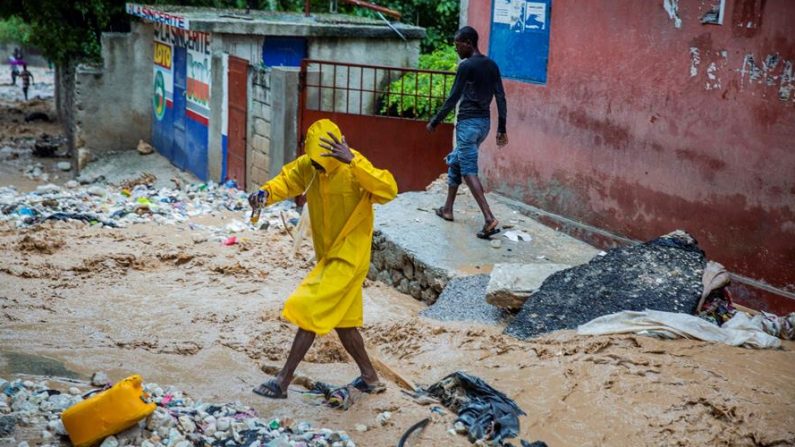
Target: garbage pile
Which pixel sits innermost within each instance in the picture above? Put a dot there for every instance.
(663, 274)
(120, 207)
(29, 409)
(485, 415)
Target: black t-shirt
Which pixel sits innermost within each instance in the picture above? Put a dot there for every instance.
(476, 82)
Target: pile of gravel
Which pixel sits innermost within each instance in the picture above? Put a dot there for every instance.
(663, 274)
(464, 299)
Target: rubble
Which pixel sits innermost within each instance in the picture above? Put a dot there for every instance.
(178, 420)
(511, 284)
(664, 274)
(144, 148)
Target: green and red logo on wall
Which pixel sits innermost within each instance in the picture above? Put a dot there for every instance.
(159, 97)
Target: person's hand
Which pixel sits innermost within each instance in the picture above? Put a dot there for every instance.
(338, 148)
(429, 127)
(502, 139)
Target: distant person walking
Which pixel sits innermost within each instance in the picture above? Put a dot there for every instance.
(15, 60)
(27, 79)
(477, 81)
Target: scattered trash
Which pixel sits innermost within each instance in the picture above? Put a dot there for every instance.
(177, 420)
(517, 235)
(100, 379)
(361, 428)
(144, 148)
(741, 330)
(418, 426)
(231, 240)
(383, 418)
(46, 145)
(664, 274)
(37, 116)
(487, 415)
(36, 172)
(495, 243)
(121, 407)
(64, 166)
(136, 202)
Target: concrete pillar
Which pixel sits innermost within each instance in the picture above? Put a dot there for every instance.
(218, 106)
(284, 121)
(463, 13)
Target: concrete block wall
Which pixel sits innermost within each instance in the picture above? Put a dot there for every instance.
(260, 116)
(112, 103)
(284, 117)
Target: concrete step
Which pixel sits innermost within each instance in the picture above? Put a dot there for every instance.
(417, 252)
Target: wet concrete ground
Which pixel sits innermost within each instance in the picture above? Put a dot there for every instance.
(410, 222)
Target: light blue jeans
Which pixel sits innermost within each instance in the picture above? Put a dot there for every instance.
(469, 134)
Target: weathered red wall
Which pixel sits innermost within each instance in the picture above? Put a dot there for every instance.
(622, 137)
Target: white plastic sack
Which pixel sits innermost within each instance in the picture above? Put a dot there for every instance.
(739, 331)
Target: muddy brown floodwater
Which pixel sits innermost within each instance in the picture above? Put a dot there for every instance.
(205, 317)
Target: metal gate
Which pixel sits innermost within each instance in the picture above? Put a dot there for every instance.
(381, 114)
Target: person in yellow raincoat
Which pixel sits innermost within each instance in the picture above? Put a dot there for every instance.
(341, 187)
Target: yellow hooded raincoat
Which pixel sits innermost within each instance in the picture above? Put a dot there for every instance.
(340, 204)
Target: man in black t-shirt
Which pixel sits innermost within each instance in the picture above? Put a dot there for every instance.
(477, 81)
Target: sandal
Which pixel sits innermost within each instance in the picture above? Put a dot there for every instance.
(440, 212)
(489, 230)
(361, 385)
(271, 389)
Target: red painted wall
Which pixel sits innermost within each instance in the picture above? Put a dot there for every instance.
(630, 134)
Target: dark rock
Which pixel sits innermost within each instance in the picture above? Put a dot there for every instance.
(663, 274)
(7, 426)
(37, 116)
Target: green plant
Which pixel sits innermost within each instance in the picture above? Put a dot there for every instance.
(14, 30)
(419, 95)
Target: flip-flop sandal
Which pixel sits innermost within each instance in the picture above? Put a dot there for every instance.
(440, 212)
(488, 233)
(271, 390)
(362, 386)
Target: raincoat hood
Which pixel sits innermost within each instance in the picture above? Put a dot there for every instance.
(320, 129)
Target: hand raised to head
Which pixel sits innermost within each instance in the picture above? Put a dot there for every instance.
(337, 148)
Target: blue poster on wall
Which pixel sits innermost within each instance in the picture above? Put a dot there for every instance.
(519, 41)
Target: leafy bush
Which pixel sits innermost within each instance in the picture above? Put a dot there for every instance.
(14, 30)
(420, 98)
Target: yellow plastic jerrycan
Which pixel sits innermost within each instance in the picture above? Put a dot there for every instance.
(107, 413)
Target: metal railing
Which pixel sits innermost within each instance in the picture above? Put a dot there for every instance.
(361, 89)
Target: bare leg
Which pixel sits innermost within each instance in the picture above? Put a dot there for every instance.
(447, 209)
(477, 190)
(301, 344)
(353, 342)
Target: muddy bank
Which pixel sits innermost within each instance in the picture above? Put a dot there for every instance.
(151, 299)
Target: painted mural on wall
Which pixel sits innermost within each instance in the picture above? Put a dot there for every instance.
(163, 94)
(197, 93)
